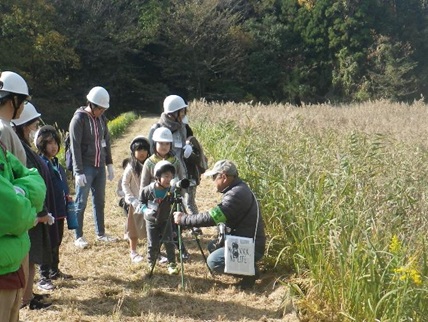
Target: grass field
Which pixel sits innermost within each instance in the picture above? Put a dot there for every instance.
(343, 193)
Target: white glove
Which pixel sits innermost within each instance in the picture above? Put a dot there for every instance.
(149, 215)
(187, 150)
(110, 172)
(80, 180)
(51, 219)
(19, 190)
(136, 204)
(149, 211)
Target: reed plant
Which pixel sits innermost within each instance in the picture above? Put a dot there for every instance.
(343, 194)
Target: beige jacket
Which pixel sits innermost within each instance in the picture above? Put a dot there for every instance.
(130, 184)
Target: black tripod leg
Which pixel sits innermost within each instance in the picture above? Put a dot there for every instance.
(202, 253)
(195, 236)
(160, 243)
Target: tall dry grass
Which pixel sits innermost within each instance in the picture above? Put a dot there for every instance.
(343, 192)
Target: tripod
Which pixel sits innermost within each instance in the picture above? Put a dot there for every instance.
(177, 205)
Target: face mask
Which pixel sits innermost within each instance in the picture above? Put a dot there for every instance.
(185, 120)
(32, 135)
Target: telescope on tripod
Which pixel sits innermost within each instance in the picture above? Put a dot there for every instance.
(176, 200)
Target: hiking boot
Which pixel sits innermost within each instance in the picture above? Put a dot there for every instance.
(54, 275)
(45, 284)
(40, 297)
(106, 239)
(197, 231)
(136, 258)
(246, 283)
(38, 305)
(172, 269)
(81, 243)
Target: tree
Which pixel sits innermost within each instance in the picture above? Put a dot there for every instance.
(203, 49)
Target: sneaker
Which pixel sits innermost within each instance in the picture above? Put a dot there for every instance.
(197, 231)
(172, 269)
(35, 304)
(135, 258)
(81, 243)
(40, 297)
(58, 274)
(38, 305)
(185, 256)
(106, 239)
(45, 285)
(162, 259)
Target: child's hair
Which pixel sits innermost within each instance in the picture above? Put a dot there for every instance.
(138, 143)
(125, 162)
(44, 135)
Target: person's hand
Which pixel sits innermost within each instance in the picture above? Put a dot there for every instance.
(110, 172)
(80, 180)
(43, 219)
(149, 215)
(19, 190)
(51, 219)
(177, 217)
(149, 212)
(136, 204)
(187, 150)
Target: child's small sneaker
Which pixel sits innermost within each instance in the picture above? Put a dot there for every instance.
(136, 258)
(172, 269)
(162, 259)
(106, 239)
(81, 243)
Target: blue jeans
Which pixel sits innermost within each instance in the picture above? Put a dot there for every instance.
(216, 259)
(96, 182)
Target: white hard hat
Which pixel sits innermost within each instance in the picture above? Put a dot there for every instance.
(99, 96)
(163, 166)
(28, 113)
(11, 82)
(162, 134)
(173, 103)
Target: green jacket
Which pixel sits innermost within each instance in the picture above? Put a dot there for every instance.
(17, 212)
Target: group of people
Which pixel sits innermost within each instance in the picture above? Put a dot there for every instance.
(34, 193)
(35, 186)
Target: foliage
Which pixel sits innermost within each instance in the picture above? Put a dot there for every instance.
(343, 207)
(119, 125)
(296, 51)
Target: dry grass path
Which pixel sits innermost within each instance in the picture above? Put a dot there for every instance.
(107, 287)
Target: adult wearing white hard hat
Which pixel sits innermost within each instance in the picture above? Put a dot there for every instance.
(43, 237)
(91, 151)
(174, 111)
(13, 93)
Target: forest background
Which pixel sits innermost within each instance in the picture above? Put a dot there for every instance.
(288, 51)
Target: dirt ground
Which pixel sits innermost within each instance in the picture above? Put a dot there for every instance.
(107, 287)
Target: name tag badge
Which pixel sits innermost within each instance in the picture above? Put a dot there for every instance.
(103, 143)
(178, 144)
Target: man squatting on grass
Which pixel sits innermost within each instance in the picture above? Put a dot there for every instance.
(238, 210)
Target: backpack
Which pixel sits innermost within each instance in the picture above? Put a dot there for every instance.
(202, 163)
